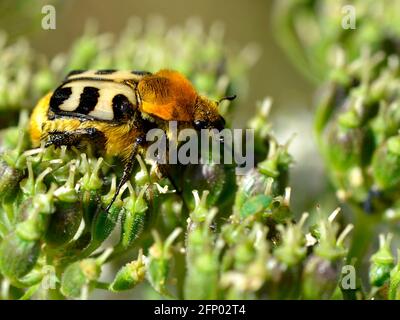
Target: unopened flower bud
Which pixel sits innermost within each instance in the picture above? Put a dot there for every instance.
(17, 256)
(129, 275)
(382, 262)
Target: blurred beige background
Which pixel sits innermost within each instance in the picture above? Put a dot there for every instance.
(245, 22)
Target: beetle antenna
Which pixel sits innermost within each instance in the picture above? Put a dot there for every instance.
(229, 98)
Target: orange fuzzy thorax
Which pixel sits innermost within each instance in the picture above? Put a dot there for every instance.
(168, 95)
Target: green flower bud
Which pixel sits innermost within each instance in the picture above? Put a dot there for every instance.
(159, 260)
(81, 276)
(276, 165)
(67, 193)
(320, 278)
(9, 180)
(280, 211)
(78, 276)
(33, 215)
(248, 272)
(330, 244)
(268, 180)
(252, 184)
(200, 211)
(217, 178)
(348, 148)
(129, 275)
(386, 164)
(29, 230)
(244, 254)
(44, 202)
(134, 217)
(17, 256)
(394, 284)
(31, 186)
(32, 278)
(292, 249)
(382, 262)
(387, 122)
(104, 223)
(202, 278)
(201, 258)
(64, 223)
(91, 180)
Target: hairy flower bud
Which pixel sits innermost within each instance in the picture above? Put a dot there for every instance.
(129, 275)
(18, 256)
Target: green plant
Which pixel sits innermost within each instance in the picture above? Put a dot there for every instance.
(53, 228)
(218, 236)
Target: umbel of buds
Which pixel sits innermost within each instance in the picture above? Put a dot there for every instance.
(310, 32)
(358, 130)
(353, 48)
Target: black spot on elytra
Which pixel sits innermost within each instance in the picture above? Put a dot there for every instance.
(58, 97)
(122, 107)
(75, 72)
(141, 73)
(105, 71)
(88, 100)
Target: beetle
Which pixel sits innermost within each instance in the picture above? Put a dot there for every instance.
(114, 109)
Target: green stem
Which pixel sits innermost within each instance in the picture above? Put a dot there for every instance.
(364, 229)
(364, 226)
(102, 285)
(30, 292)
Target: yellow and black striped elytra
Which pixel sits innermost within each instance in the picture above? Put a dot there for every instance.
(114, 109)
(104, 95)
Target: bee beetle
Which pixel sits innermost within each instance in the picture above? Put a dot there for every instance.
(114, 109)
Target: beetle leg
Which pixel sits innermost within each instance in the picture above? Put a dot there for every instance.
(74, 138)
(127, 170)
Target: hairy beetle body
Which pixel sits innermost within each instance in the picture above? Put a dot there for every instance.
(115, 109)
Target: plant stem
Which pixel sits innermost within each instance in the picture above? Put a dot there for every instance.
(365, 226)
(102, 285)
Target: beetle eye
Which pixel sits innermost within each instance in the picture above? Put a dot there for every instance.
(200, 124)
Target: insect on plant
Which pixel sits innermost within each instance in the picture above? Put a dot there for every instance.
(114, 109)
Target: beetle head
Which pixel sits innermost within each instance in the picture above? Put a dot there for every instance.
(206, 114)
